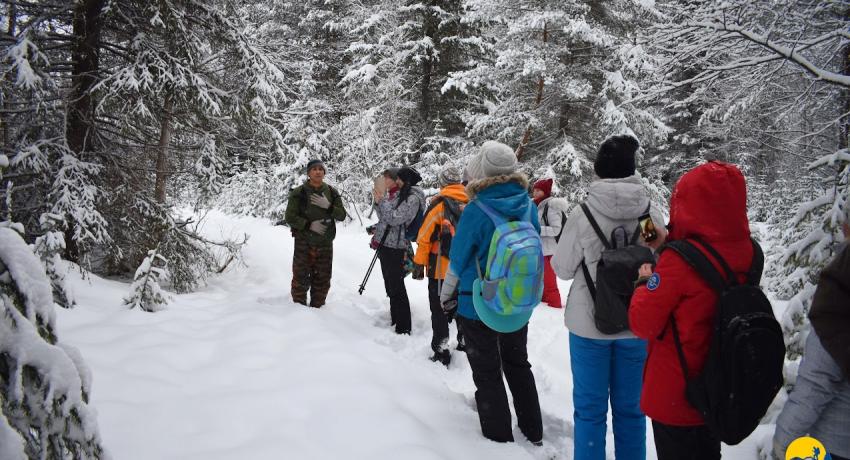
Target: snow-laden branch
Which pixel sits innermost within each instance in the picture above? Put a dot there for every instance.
(790, 54)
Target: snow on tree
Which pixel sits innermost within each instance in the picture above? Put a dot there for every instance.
(552, 80)
(44, 384)
(146, 292)
(49, 248)
(767, 87)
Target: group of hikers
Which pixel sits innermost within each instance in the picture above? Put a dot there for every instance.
(665, 321)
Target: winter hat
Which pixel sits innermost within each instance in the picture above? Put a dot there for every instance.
(392, 173)
(493, 159)
(316, 162)
(449, 174)
(616, 157)
(544, 185)
(409, 175)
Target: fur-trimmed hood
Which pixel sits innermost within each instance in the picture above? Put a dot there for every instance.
(476, 186)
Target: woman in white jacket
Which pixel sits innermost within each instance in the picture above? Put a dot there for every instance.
(604, 366)
(552, 214)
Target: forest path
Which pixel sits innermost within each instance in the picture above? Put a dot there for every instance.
(237, 371)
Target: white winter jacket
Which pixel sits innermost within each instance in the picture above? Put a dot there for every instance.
(613, 202)
(556, 206)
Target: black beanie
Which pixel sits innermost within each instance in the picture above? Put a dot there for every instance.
(616, 157)
(409, 176)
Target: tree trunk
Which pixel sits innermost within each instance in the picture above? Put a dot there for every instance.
(87, 25)
(537, 100)
(162, 149)
(11, 32)
(79, 119)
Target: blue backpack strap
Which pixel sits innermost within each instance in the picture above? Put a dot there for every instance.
(494, 215)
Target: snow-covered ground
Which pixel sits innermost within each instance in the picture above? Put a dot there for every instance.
(237, 371)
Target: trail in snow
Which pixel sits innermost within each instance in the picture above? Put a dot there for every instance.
(236, 370)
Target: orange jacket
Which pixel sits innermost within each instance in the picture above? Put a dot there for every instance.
(432, 225)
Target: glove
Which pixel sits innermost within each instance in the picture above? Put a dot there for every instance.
(318, 227)
(418, 272)
(320, 201)
(450, 309)
(374, 243)
(370, 230)
(449, 289)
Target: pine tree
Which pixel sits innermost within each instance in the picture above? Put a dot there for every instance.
(44, 384)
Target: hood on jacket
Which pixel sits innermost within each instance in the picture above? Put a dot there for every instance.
(507, 194)
(710, 202)
(456, 192)
(618, 199)
(476, 186)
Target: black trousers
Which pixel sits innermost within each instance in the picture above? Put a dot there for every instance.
(439, 322)
(392, 268)
(491, 353)
(685, 442)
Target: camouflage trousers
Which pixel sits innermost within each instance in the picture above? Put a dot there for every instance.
(311, 270)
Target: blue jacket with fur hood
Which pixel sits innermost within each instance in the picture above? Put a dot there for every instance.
(506, 194)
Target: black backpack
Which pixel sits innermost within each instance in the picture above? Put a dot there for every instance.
(546, 220)
(616, 274)
(451, 214)
(743, 371)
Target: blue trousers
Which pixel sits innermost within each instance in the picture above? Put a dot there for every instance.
(604, 369)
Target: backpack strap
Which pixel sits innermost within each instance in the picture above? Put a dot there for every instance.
(757, 266)
(590, 286)
(546, 220)
(494, 215)
(679, 350)
(696, 259)
(595, 226)
(731, 279)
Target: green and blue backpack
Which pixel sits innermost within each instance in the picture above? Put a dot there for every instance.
(506, 294)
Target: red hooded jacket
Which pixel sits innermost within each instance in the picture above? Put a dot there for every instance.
(709, 203)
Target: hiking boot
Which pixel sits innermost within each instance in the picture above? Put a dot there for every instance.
(537, 443)
(443, 357)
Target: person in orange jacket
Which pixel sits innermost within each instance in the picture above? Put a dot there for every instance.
(432, 251)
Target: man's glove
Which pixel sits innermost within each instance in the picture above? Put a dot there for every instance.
(318, 227)
(370, 230)
(418, 272)
(320, 201)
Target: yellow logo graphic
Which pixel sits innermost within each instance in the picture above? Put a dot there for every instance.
(806, 448)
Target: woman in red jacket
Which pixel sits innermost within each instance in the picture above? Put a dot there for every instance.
(708, 203)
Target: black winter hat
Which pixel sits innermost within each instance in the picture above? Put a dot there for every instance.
(316, 162)
(392, 173)
(616, 157)
(409, 176)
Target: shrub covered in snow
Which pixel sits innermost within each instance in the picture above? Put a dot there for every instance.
(44, 385)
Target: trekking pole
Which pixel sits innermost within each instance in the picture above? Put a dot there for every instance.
(372, 264)
(368, 273)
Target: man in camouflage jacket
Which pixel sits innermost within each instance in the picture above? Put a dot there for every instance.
(311, 212)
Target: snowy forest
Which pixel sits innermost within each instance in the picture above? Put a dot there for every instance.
(127, 125)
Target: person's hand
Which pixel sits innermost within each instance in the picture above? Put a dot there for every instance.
(645, 271)
(320, 201)
(450, 309)
(318, 227)
(418, 272)
(377, 195)
(374, 243)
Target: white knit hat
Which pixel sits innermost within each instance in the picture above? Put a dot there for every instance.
(493, 159)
